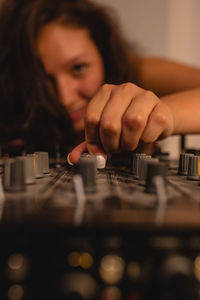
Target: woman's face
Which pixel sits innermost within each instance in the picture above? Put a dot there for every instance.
(74, 64)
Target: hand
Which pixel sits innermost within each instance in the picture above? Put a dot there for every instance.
(120, 116)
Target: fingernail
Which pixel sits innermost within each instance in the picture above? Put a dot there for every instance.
(68, 160)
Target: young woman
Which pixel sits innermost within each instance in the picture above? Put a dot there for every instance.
(67, 76)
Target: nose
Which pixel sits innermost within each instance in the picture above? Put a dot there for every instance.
(67, 89)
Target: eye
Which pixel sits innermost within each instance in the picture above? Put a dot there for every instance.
(79, 68)
(50, 79)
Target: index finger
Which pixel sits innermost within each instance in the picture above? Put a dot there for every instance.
(93, 115)
(75, 154)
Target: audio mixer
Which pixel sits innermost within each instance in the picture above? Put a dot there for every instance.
(125, 230)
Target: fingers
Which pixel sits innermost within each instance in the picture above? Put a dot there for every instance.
(121, 116)
(136, 118)
(147, 119)
(93, 115)
(104, 121)
(111, 121)
(160, 124)
(75, 154)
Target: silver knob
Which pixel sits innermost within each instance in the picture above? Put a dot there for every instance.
(183, 163)
(14, 175)
(29, 170)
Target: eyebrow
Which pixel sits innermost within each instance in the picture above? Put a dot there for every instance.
(81, 56)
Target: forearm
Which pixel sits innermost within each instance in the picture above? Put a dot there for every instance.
(185, 108)
(164, 77)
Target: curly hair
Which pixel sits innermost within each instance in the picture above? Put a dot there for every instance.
(29, 108)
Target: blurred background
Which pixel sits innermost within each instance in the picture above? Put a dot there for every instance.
(164, 28)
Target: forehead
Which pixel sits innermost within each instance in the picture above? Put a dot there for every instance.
(64, 42)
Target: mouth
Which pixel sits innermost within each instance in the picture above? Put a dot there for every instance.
(77, 114)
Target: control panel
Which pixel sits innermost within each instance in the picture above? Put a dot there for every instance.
(125, 228)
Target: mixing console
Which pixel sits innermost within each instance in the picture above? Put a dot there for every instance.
(127, 230)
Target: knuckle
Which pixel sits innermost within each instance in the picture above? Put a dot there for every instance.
(149, 94)
(133, 121)
(110, 128)
(106, 87)
(160, 119)
(127, 87)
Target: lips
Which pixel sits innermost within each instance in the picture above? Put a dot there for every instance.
(77, 114)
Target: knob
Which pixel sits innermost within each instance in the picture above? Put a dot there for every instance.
(193, 168)
(38, 165)
(14, 175)
(143, 169)
(136, 163)
(86, 167)
(183, 163)
(45, 162)
(100, 161)
(29, 170)
(154, 168)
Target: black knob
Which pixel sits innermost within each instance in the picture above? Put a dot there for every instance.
(193, 168)
(14, 175)
(143, 169)
(154, 168)
(86, 167)
(136, 163)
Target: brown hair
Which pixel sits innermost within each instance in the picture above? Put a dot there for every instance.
(26, 101)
